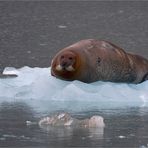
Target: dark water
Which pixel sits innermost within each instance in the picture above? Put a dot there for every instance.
(31, 32)
(125, 127)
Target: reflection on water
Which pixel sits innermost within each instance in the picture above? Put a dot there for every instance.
(126, 127)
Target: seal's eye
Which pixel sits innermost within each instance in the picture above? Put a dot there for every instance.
(62, 57)
(70, 58)
(98, 60)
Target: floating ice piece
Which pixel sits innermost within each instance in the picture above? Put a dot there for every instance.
(10, 71)
(9, 136)
(62, 26)
(66, 120)
(38, 84)
(30, 123)
(61, 115)
(122, 137)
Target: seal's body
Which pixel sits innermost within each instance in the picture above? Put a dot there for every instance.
(93, 60)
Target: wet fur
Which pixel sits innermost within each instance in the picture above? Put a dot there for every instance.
(102, 60)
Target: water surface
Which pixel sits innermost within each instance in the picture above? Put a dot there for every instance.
(35, 94)
(125, 127)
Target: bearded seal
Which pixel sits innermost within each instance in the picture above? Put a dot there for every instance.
(93, 60)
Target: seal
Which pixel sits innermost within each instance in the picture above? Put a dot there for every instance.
(92, 60)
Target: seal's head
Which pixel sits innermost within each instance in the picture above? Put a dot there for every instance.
(66, 62)
(64, 65)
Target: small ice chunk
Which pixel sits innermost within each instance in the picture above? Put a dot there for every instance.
(10, 71)
(2, 139)
(30, 123)
(64, 119)
(28, 51)
(96, 121)
(24, 137)
(9, 136)
(46, 120)
(43, 44)
(61, 115)
(121, 11)
(68, 123)
(62, 26)
(122, 137)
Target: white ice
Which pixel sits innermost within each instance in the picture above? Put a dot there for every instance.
(38, 84)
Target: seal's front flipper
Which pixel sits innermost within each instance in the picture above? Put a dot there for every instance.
(145, 77)
(5, 76)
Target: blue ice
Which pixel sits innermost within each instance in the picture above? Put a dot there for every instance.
(38, 84)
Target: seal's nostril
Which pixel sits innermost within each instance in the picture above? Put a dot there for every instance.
(64, 64)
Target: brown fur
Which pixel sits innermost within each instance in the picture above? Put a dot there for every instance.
(95, 60)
